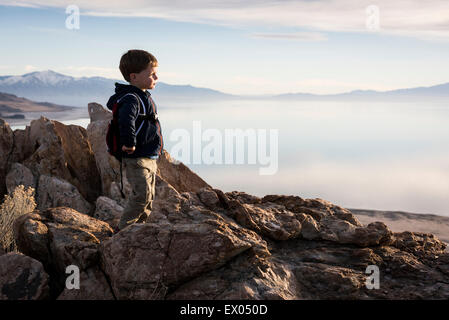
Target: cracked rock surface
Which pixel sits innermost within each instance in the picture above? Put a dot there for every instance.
(199, 242)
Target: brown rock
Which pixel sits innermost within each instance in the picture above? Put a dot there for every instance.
(50, 148)
(93, 286)
(60, 237)
(108, 166)
(171, 255)
(109, 211)
(22, 278)
(80, 160)
(53, 192)
(310, 219)
(178, 175)
(180, 240)
(340, 282)
(98, 113)
(19, 175)
(419, 244)
(247, 277)
(23, 147)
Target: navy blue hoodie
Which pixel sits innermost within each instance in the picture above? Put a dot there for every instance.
(148, 141)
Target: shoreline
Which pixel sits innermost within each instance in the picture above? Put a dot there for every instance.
(399, 221)
(73, 114)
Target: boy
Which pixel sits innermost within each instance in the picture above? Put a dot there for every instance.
(140, 132)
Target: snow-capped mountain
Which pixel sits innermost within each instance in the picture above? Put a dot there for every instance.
(47, 77)
(50, 86)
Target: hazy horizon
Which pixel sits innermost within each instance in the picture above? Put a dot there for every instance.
(188, 84)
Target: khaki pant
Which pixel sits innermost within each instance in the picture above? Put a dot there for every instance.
(141, 174)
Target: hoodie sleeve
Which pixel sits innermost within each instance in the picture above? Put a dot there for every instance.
(128, 112)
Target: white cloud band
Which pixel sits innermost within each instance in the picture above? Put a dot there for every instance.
(422, 19)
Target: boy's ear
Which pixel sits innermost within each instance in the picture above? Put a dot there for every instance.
(132, 76)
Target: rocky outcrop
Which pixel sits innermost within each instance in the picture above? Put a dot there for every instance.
(109, 211)
(202, 243)
(313, 219)
(53, 192)
(190, 250)
(49, 148)
(61, 237)
(80, 160)
(19, 175)
(22, 278)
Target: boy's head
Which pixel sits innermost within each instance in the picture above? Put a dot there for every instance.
(138, 67)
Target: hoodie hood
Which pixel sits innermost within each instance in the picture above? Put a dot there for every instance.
(121, 90)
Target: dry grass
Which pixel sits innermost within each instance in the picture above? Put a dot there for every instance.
(20, 203)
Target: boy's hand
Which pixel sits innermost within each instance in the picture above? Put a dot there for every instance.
(128, 150)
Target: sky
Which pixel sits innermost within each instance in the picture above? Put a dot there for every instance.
(237, 47)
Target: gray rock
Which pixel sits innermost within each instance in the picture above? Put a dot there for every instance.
(98, 113)
(19, 175)
(60, 237)
(22, 278)
(109, 211)
(54, 192)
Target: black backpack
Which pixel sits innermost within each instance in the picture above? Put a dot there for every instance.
(113, 133)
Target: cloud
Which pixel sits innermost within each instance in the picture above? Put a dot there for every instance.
(30, 68)
(299, 36)
(90, 71)
(422, 19)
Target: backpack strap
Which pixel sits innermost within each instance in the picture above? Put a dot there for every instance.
(140, 104)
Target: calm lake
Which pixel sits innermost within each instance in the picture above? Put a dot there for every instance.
(385, 156)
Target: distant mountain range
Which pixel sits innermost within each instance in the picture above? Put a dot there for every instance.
(432, 92)
(50, 86)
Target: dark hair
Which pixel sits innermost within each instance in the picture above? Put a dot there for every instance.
(135, 61)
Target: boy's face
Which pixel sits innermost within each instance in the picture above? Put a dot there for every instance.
(146, 79)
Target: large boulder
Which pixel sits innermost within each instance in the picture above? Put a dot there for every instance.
(19, 175)
(108, 210)
(283, 217)
(247, 277)
(53, 192)
(22, 278)
(108, 166)
(80, 160)
(60, 237)
(181, 240)
(51, 148)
